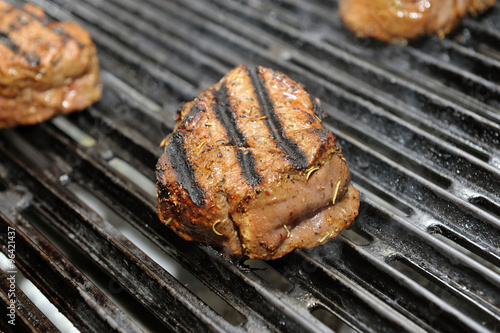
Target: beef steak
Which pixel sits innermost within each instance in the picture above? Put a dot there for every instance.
(46, 67)
(250, 170)
(400, 20)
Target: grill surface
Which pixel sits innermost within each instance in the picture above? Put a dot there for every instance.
(419, 126)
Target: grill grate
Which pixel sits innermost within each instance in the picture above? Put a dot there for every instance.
(419, 125)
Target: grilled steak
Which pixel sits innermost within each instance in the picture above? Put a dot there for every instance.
(399, 20)
(46, 67)
(250, 169)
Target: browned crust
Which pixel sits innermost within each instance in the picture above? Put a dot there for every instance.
(397, 21)
(64, 77)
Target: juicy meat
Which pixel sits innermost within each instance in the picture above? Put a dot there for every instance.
(250, 170)
(399, 20)
(46, 67)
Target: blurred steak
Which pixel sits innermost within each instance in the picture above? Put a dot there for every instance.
(45, 67)
(250, 170)
(399, 20)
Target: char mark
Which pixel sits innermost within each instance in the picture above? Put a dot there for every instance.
(8, 10)
(226, 116)
(23, 20)
(184, 173)
(291, 149)
(4, 38)
(33, 60)
(195, 109)
(66, 36)
(61, 32)
(34, 15)
(247, 163)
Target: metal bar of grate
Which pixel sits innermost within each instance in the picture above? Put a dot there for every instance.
(28, 318)
(63, 283)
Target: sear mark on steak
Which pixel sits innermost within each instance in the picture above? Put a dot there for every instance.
(398, 21)
(290, 148)
(250, 170)
(46, 67)
(227, 118)
(184, 174)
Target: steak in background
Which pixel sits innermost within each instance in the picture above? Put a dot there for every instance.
(400, 20)
(250, 170)
(46, 67)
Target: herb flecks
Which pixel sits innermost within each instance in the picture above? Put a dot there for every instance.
(215, 230)
(336, 192)
(287, 231)
(167, 222)
(324, 237)
(311, 170)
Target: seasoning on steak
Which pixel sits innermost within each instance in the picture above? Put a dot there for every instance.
(400, 20)
(46, 67)
(250, 170)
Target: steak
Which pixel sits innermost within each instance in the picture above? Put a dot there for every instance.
(250, 170)
(400, 20)
(46, 67)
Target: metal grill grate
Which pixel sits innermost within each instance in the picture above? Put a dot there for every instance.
(419, 126)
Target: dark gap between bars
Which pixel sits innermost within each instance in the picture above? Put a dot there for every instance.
(487, 205)
(16, 139)
(422, 278)
(330, 319)
(269, 274)
(3, 184)
(218, 304)
(381, 197)
(357, 236)
(453, 240)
